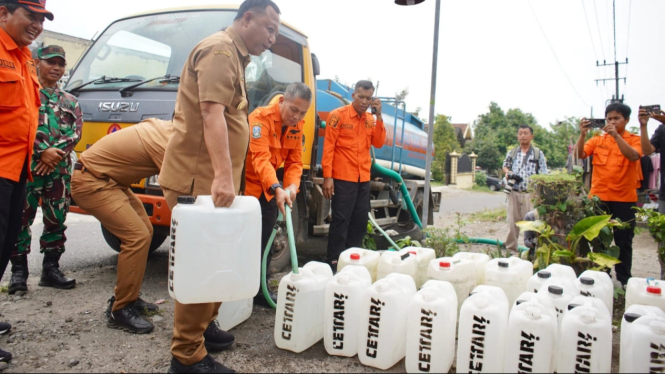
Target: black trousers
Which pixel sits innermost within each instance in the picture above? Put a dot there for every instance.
(268, 219)
(12, 201)
(350, 205)
(623, 238)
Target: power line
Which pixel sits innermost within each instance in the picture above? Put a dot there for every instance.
(555, 55)
(586, 18)
(600, 34)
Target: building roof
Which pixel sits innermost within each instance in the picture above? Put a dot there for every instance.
(464, 129)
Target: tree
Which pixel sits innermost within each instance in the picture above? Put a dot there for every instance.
(401, 96)
(445, 141)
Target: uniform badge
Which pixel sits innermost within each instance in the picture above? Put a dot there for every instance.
(256, 132)
(334, 120)
(242, 105)
(225, 53)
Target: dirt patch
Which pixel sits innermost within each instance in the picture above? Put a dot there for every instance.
(65, 331)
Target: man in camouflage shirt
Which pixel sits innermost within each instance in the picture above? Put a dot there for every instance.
(60, 124)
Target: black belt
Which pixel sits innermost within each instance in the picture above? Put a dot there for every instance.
(79, 166)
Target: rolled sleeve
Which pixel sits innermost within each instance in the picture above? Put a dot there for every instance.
(506, 162)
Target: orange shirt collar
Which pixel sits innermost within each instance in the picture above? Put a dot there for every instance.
(10, 44)
(352, 112)
(273, 110)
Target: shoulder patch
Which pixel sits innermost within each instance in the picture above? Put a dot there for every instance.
(256, 131)
(333, 121)
(225, 53)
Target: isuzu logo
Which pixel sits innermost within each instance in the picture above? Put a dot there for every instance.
(118, 107)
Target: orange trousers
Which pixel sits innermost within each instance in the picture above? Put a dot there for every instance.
(189, 320)
(122, 213)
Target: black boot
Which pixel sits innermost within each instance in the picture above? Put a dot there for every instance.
(128, 319)
(19, 279)
(207, 365)
(141, 306)
(217, 339)
(51, 274)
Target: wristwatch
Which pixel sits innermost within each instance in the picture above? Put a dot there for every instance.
(274, 188)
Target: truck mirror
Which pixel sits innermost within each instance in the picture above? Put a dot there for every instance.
(315, 65)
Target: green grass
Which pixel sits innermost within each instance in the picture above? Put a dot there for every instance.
(437, 184)
(496, 215)
(148, 313)
(478, 188)
(4, 289)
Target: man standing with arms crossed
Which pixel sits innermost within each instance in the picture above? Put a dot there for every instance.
(346, 162)
(21, 22)
(207, 151)
(276, 139)
(60, 125)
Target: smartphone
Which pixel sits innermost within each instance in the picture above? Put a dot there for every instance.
(597, 123)
(651, 108)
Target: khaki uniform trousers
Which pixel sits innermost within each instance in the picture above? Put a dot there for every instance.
(122, 213)
(519, 204)
(189, 320)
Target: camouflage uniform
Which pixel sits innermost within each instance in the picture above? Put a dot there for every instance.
(60, 124)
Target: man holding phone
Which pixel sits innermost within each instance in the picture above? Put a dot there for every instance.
(616, 176)
(350, 133)
(655, 144)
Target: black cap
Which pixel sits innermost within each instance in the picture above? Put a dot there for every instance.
(518, 302)
(631, 317)
(555, 290)
(587, 281)
(186, 199)
(504, 264)
(573, 306)
(544, 274)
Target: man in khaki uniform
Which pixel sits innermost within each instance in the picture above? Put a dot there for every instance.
(206, 153)
(101, 186)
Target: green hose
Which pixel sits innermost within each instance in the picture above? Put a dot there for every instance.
(292, 247)
(376, 225)
(488, 241)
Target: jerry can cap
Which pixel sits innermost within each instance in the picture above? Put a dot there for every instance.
(413, 253)
(186, 199)
(587, 281)
(556, 290)
(631, 317)
(654, 290)
(355, 256)
(544, 274)
(444, 264)
(504, 264)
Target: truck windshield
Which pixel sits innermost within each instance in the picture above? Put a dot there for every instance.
(146, 47)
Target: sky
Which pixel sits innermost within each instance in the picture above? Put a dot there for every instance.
(536, 55)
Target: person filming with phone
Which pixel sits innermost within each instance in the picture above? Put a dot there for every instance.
(616, 176)
(350, 131)
(655, 144)
(520, 164)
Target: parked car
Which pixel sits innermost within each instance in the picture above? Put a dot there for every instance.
(494, 183)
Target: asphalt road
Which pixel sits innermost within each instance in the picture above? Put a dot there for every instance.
(87, 248)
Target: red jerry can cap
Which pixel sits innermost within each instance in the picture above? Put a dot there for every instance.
(654, 290)
(355, 256)
(444, 264)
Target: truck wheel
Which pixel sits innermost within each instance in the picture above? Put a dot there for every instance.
(114, 242)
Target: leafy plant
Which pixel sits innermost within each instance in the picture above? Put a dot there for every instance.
(584, 231)
(446, 242)
(368, 240)
(481, 178)
(407, 242)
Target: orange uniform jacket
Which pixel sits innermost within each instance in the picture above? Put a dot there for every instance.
(268, 149)
(346, 154)
(19, 107)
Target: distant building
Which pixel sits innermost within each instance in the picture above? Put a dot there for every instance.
(463, 132)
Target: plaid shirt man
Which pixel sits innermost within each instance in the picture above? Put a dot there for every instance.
(525, 171)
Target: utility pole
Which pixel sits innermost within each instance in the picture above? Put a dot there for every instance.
(616, 79)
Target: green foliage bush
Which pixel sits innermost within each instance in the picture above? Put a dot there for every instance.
(481, 178)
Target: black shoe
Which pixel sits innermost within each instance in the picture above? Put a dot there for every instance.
(142, 307)
(217, 340)
(260, 300)
(207, 365)
(19, 279)
(5, 356)
(128, 319)
(4, 328)
(51, 274)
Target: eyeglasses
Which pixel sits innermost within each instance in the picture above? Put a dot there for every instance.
(52, 62)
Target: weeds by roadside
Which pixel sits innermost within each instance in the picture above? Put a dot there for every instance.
(496, 215)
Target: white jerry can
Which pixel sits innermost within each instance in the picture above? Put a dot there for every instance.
(359, 256)
(585, 338)
(300, 306)
(233, 313)
(215, 253)
(479, 259)
(430, 329)
(402, 262)
(537, 280)
(382, 334)
(560, 292)
(423, 258)
(642, 340)
(460, 273)
(562, 271)
(344, 296)
(645, 292)
(483, 322)
(510, 274)
(532, 336)
(590, 286)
